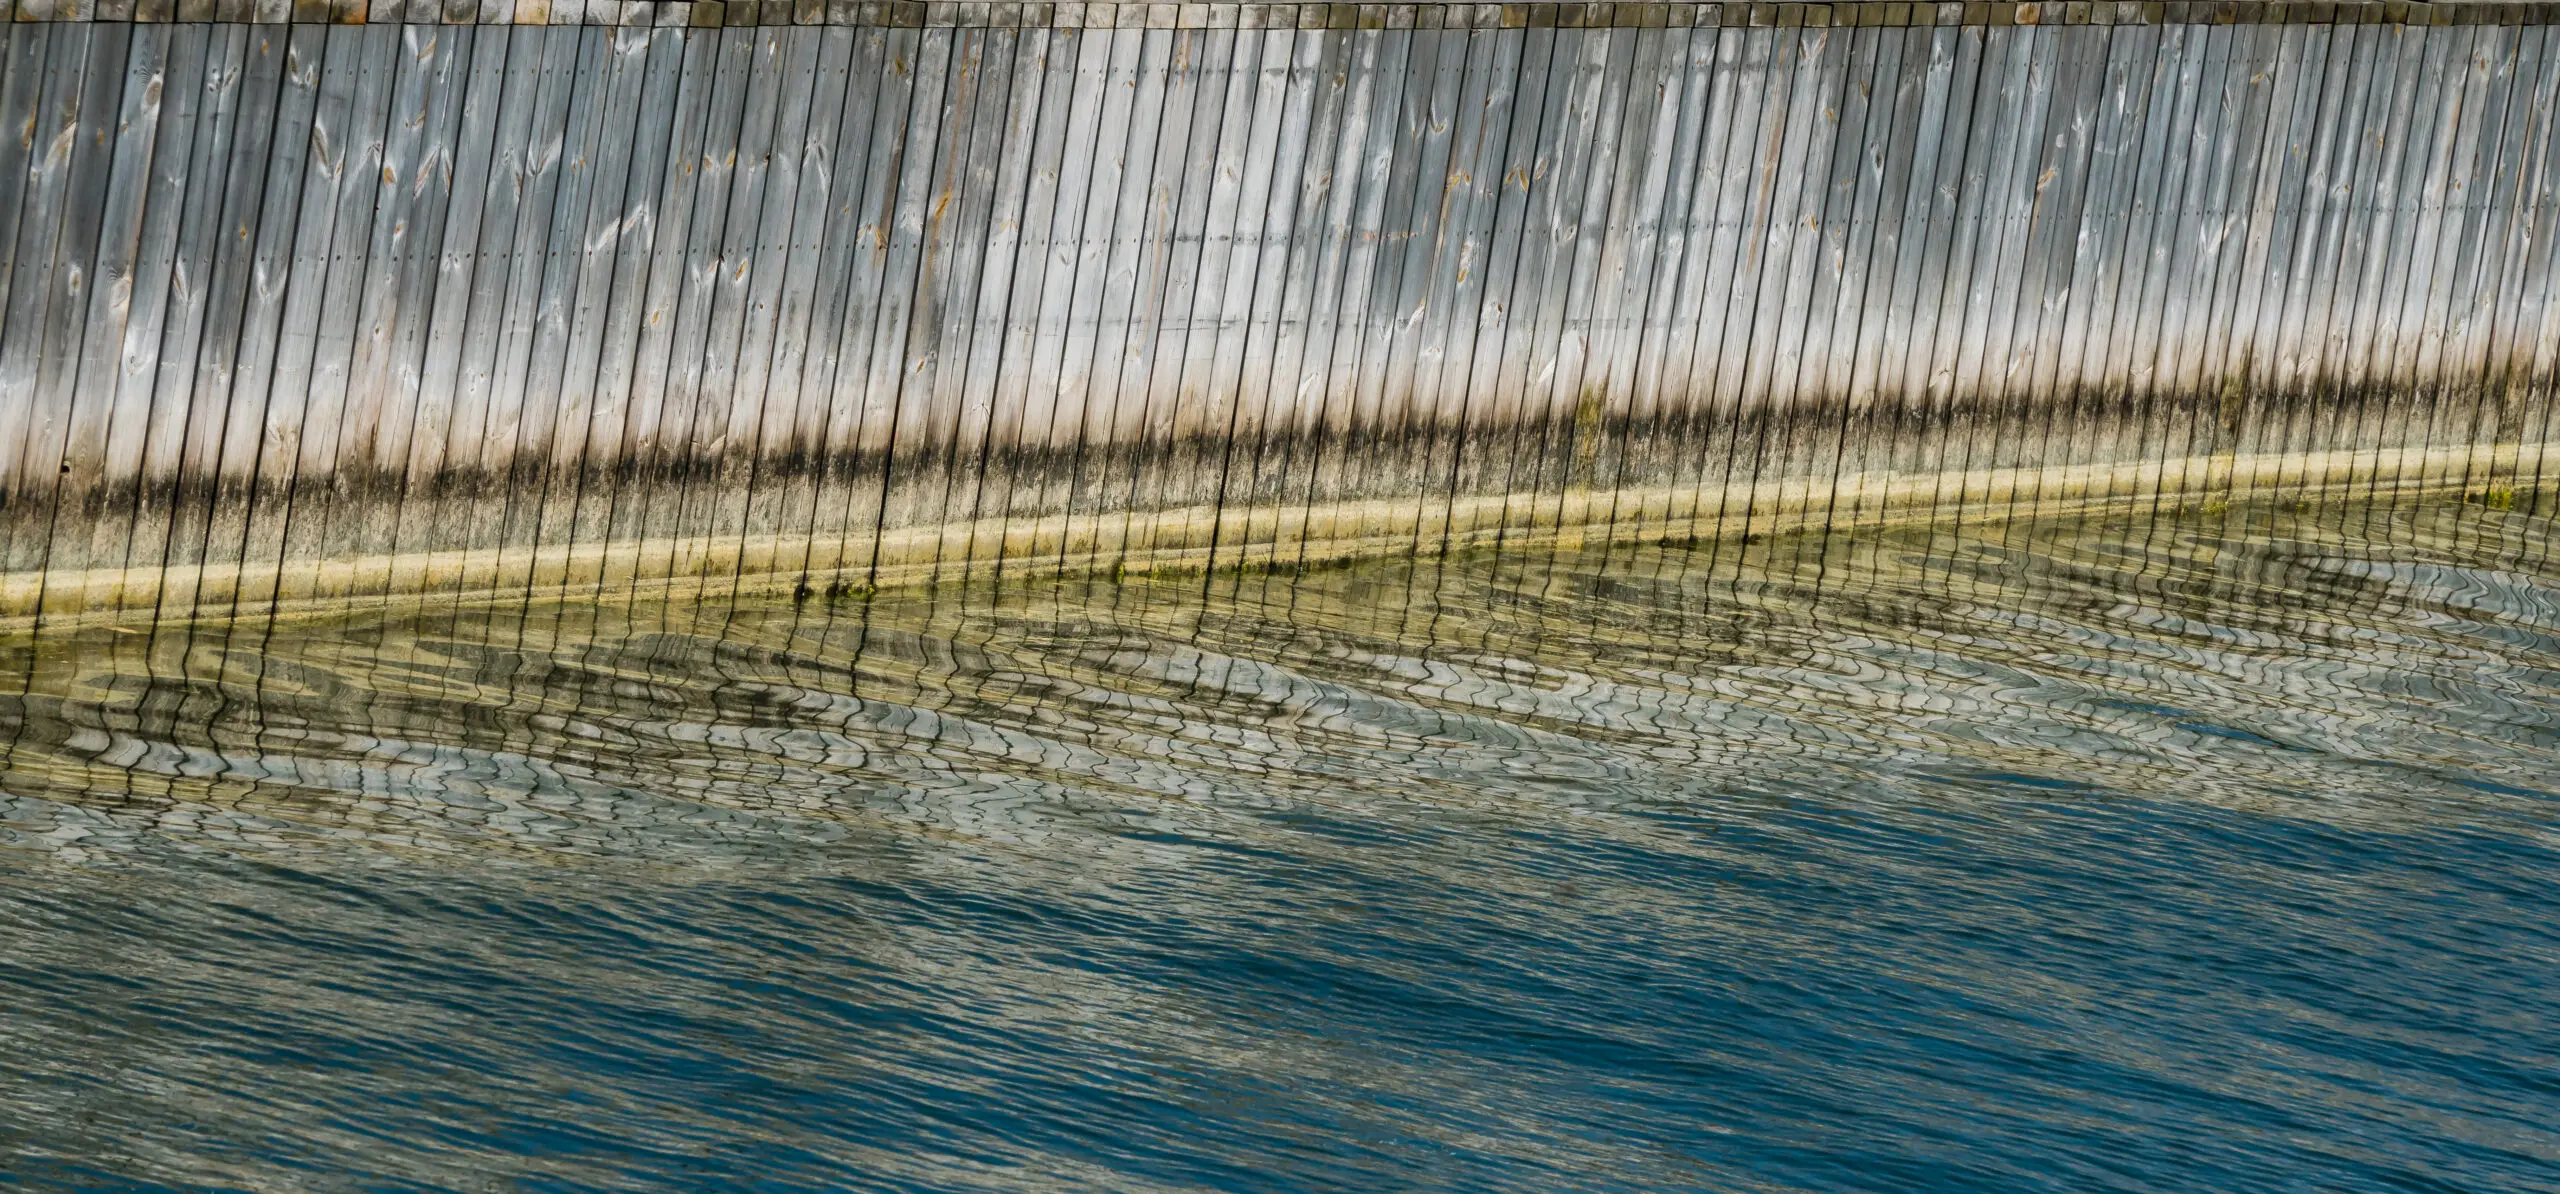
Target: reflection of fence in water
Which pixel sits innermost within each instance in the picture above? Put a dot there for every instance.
(842, 294)
(2247, 658)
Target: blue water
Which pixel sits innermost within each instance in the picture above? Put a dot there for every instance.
(2171, 855)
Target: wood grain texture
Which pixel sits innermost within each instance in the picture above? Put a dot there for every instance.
(295, 314)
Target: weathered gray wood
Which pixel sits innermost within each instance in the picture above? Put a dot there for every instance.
(2107, 431)
(611, 255)
(1190, 416)
(499, 375)
(403, 259)
(1320, 89)
(692, 416)
(102, 452)
(1163, 464)
(2508, 371)
(188, 414)
(1901, 165)
(838, 246)
(445, 286)
(23, 91)
(1533, 494)
(323, 491)
(1289, 90)
(1348, 291)
(1631, 246)
(69, 208)
(756, 228)
(398, 306)
(1699, 312)
(793, 214)
(1812, 411)
(262, 208)
(658, 436)
(926, 488)
(1454, 306)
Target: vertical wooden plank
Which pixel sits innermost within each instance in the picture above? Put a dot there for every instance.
(2392, 166)
(1917, 322)
(1275, 344)
(1072, 315)
(1631, 248)
(2536, 348)
(1021, 204)
(28, 80)
(1999, 188)
(831, 174)
(1326, 200)
(119, 335)
(1901, 166)
(554, 404)
(187, 412)
(658, 436)
(1763, 69)
(769, 272)
(149, 429)
(2306, 367)
(2521, 288)
(1379, 466)
(2435, 256)
(1713, 241)
(1079, 77)
(2482, 195)
(396, 298)
(1112, 334)
(2155, 229)
(2186, 269)
(1857, 259)
(862, 409)
(715, 507)
(49, 132)
(2269, 276)
(2417, 219)
(1187, 268)
(692, 415)
(323, 473)
(489, 359)
(2105, 436)
(2221, 388)
(1781, 284)
(1344, 320)
(43, 355)
(441, 468)
(2035, 394)
(2338, 397)
(261, 220)
(1283, 108)
(927, 488)
(1542, 282)
(1455, 303)
(293, 330)
(532, 309)
(1575, 430)
(1810, 410)
(1044, 75)
(897, 404)
(621, 227)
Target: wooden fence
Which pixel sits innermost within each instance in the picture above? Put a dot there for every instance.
(302, 302)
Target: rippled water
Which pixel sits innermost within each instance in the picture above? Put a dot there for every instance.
(2178, 854)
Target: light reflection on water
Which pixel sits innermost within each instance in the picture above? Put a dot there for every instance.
(2162, 854)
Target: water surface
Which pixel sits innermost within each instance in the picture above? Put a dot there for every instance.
(2176, 853)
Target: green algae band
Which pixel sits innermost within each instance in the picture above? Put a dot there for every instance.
(303, 302)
